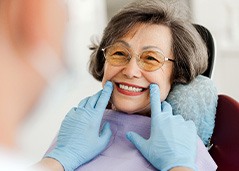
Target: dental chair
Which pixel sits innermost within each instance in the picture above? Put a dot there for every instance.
(208, 39)
(225, 139)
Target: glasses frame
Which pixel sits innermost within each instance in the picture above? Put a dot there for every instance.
(138, 57)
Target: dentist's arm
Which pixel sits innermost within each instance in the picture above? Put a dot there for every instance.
(48, 164)
(173, 141)
(79, 139)
(181, 169)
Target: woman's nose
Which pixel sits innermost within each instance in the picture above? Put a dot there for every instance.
(131, 69)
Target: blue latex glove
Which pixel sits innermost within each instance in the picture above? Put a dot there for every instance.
(79, 139)
(172, 142)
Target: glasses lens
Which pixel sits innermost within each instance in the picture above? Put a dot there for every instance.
(117, 55)
(151, 60)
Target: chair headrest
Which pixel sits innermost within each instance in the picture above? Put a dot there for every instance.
(209, 41)
(196, 101)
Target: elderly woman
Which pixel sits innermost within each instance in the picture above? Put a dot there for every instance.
(145, 49)
(166, 48)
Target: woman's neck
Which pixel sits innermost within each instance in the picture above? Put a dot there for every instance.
(144, 112)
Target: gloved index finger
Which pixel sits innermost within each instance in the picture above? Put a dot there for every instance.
(92, 100)
(155, 102)
(105, 96)
(83, 102)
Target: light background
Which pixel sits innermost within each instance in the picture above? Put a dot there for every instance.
(87, 19)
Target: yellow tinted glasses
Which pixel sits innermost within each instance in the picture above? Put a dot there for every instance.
(149, 60)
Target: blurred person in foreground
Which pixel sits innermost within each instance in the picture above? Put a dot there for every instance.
(31, 37)
(31, 48)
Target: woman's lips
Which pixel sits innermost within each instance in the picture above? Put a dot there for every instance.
(130, 89)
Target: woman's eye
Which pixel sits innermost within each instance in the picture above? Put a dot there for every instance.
(119, 53)
(151, 58)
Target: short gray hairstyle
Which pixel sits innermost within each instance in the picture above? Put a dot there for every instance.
(188, 47)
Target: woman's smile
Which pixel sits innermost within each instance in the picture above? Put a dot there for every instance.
(129, 89)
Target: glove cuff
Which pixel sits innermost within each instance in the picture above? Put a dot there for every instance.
(66, 162)
(187, 164)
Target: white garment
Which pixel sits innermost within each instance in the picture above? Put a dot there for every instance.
(12, 162)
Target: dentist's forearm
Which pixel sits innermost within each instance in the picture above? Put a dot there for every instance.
(181, 169)
(49, 164)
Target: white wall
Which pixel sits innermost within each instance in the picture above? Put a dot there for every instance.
(88, 18)
(221, 17)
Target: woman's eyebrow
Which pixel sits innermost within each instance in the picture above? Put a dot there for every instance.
(123, 42)
(144, 48)
(153, 47)
(150, 47)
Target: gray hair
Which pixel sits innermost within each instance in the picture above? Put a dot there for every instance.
(188, 47)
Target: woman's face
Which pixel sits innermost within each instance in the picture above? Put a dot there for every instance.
(131, 83)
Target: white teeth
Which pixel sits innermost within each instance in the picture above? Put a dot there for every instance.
(130, 88)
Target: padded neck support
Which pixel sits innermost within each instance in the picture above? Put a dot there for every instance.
(196, 101)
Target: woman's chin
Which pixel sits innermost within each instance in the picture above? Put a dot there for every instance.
(131, 111)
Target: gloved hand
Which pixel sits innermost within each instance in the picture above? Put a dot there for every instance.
(172, 142)
(79, 139)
